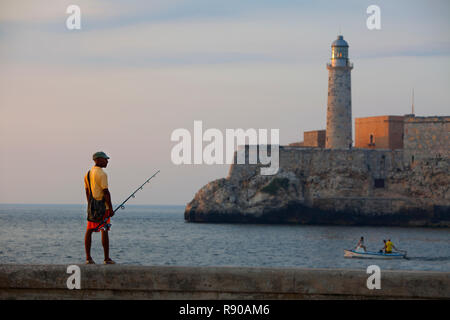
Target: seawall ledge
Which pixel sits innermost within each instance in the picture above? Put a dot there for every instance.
(186, 282)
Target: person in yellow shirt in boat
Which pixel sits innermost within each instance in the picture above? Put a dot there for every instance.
(389, 246)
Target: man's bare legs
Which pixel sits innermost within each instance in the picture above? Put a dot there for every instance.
(87, 244)
(105, 243)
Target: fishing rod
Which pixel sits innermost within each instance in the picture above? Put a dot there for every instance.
(103, 225)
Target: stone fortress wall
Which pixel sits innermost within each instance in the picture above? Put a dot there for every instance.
(408, 187)
(427, 137)
(314, 138)
(331, 186)
(421, 137)
(379, 132)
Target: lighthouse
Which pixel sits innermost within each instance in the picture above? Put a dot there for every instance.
(339, 105)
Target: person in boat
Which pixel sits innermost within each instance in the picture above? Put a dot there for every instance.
(96, 184)
(360, 246)
(389, 246)
(384, 247)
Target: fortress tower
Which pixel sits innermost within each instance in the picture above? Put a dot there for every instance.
(339, 106)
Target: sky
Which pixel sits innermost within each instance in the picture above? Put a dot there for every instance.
(138, 70)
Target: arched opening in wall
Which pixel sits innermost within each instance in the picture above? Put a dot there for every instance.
(371, 141)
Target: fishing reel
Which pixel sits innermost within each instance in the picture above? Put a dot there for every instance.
(106, 226)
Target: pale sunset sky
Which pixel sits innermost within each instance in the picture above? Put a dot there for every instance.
(138, 70)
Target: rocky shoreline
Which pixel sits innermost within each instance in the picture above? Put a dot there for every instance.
(297, 213)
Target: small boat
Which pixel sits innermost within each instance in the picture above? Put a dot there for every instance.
(373, 255)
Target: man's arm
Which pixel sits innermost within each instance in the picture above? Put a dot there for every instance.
(87, 195)
(107, 197)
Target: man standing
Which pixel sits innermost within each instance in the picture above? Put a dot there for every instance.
(96, 185)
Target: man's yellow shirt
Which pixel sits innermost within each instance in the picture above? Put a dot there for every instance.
(99, 182)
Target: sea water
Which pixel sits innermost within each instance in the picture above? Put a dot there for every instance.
(158, 235)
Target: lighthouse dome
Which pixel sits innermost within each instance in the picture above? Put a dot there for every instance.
(339, 42)
(339, 52)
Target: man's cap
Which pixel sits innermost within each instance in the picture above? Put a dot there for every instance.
(99, 154)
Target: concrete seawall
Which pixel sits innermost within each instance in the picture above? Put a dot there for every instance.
(173, 282)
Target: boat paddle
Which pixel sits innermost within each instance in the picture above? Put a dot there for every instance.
(404, 251)
(103, 225)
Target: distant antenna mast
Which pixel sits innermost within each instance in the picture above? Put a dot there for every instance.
(412, 101)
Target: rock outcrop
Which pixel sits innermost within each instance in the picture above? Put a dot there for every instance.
(340, 187)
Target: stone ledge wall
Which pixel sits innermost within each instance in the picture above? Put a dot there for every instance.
(173, 282)
(427, 137)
